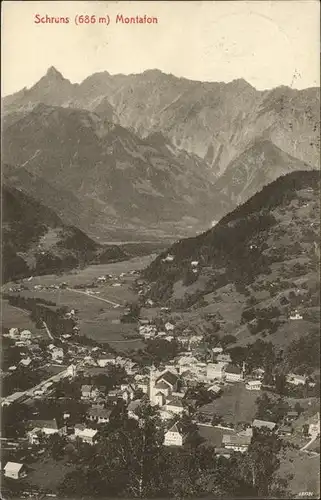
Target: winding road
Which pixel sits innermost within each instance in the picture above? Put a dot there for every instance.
(313, 438)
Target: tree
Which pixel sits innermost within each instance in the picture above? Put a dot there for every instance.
(280, 384)
(261, 461)
(273, 409)
(238, 355)
(134, 466)
(226, 340)
(161, 350)
(298, 408)
(217, 420)
(55, 445)
(14, 420)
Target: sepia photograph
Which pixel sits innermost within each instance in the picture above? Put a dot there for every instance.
(160, 255)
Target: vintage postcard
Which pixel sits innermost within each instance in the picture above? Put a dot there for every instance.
(160, 292)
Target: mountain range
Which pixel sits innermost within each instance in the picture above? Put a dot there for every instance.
(253, 269)
(153, 156)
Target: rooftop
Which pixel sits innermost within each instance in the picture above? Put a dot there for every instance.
(46, 424)
(168, 377)
(263, 423)
(88, 432)
(99, 412)
(13, 466)
(86, 388)
(174, 428)
(133, 405)
(233, 369)
(175, 402)
(237, 440)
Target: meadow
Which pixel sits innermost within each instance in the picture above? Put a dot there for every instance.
(97, 318)
(236, 404)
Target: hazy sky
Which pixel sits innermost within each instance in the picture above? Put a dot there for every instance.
(269, 43)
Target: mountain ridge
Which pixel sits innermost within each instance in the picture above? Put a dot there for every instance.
(196, 116)
(263, 255)
(36, 241)
(130, 181)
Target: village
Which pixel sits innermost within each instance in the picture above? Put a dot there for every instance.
(187, 385)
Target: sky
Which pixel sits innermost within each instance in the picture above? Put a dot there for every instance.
(268, 43)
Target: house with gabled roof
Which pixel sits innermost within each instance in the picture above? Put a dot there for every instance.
(253, 385)
(88, 391)
(86, 435)
(294, 379)
(46, 427)
(236, 442)
(99, 415)
(175, 405)
(215, 371)
(233, 373)
(314, 425)
(259, 424)
(163, 388)
(174, 437)
(170, 379)
(106, 359)
(15, 470)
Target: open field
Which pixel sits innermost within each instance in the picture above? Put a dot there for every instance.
(98, 317)
(236, 404)
(80, 276)
(303, 472)
(12, 317)
(212, 435)
(48, 474)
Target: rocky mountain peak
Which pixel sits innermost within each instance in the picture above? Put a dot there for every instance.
(53, 73)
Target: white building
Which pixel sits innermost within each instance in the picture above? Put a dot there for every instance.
(224, 358)
(46, 427)
(128, 393)
(14, 333)
(159, 399)
(168, 258)
(294, 379)
(165, 415)
(25, 362)
(314, 425)
(215, 389)
(295, 315)
(71, 371)
(236, 442)
(233, 373)
(254, 385)
(106, 360)
(215, 371)
(86, 435)
(173, 437)
(175, 406)
(25, 335)
(258, 424)
(169, 327)
(99, 415)
(14, 470)
(57, 354)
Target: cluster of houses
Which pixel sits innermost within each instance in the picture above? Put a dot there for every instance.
(187, 338)
(232, 441)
